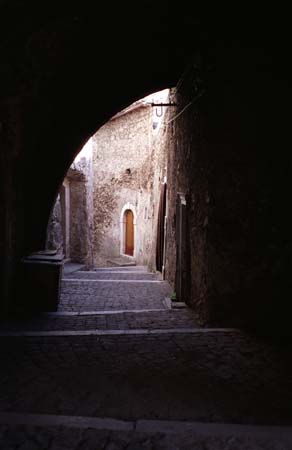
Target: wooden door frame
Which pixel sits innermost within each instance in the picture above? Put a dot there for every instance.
(123, 230)
(129, 233)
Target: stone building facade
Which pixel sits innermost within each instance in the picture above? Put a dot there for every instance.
(129, 164)
(224, 251)
(69, 230)
(114, 189)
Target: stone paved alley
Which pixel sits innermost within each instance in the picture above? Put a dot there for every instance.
(115, 369)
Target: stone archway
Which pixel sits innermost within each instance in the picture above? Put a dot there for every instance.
(54, 104)
(128, 218)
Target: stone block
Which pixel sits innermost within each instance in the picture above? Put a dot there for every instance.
(41, 281)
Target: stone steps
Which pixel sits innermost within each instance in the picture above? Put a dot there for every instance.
(143, 269)
(138, 320)
(123, 377)
(213, 377)
(121, 261)
(35, 432)
(79, 295)
(113, 275)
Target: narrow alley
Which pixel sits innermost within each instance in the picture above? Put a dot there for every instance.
(114, 368)
(144, 158)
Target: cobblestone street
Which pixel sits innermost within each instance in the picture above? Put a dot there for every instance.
(116, 369)
(112, 290)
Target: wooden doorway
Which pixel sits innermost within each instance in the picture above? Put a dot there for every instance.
(129, 233)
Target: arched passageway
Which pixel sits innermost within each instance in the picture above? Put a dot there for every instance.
(61, 79)
(64, 71)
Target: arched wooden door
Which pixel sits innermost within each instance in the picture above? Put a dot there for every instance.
(129, 238)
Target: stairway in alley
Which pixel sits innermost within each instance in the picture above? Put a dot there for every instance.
(115, 369)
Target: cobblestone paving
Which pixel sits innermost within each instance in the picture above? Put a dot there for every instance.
(211, 376)
(63, 438)
(216, 377)
(121, 321)
(99, 296)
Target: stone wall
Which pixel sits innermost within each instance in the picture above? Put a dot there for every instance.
(127, 162)
(187, 174)
(55, 236)
(81, 211)
(161, 147)
(221, 157)
(122, 166)
(208, 163)
(76, 207)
